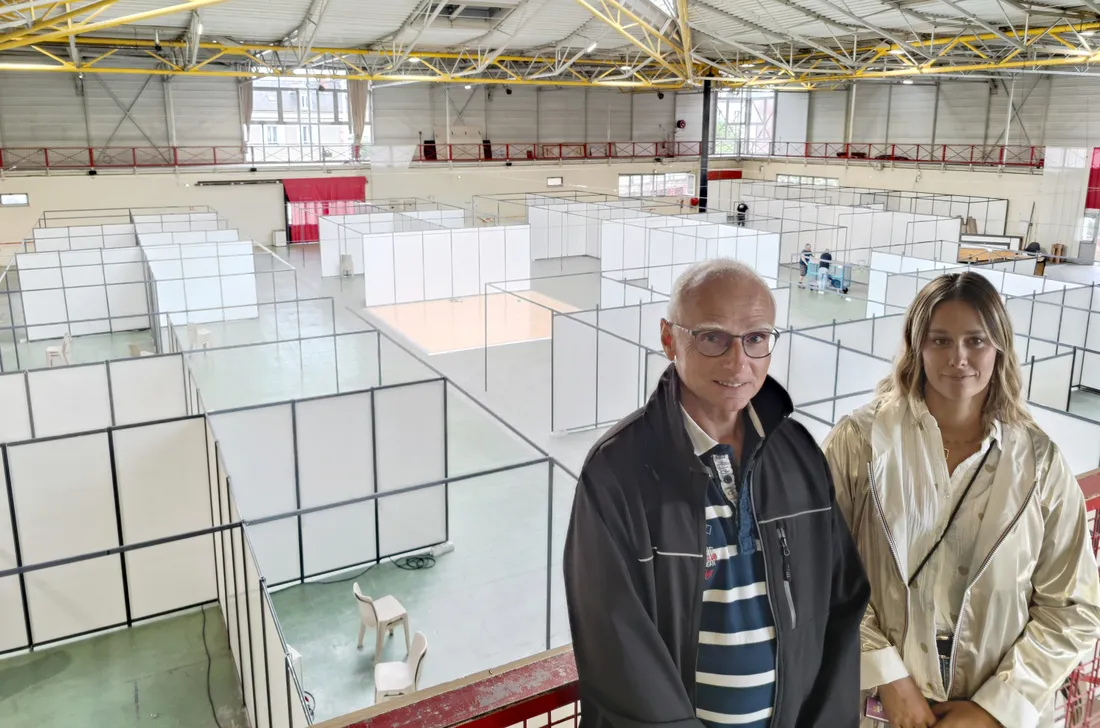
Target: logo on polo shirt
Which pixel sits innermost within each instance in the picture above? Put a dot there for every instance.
(711, 561)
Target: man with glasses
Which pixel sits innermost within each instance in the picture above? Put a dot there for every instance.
(709, 577)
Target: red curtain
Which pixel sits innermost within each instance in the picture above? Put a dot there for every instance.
(310, 198)
(1092, 196)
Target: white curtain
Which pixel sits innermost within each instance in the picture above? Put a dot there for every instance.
(357, 110)
(244, 98)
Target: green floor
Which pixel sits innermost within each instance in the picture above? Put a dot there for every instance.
(482, 606)
(151, 675)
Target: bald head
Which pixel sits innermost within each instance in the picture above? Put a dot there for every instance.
(725, 273)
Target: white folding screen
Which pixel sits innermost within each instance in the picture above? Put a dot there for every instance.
(204, 282)
(15, 422)
(1076, 437)
(147, 388)
(336, 464)
(574, 362)
(164, 490)
(69, 399)
(257, 446)
(1050, 381)
(439, 264)
(410, 440)
(84, 237)
(13, 631)
(65, 506)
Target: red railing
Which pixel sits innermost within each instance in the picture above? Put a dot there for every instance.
(76, 158)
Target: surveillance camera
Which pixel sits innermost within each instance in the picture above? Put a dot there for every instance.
(660, 94)
(508, 91)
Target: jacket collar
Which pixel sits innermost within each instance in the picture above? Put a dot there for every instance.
(664, 415)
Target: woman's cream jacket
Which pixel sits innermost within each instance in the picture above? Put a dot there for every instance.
(1032, 609)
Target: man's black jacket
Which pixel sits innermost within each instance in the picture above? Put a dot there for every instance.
(634, 569)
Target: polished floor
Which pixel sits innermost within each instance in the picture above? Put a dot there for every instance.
(154, 674)
(460, 324)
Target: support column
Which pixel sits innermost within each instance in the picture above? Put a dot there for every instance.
(704, 147)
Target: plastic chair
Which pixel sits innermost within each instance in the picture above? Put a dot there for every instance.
(383, 615)
(394, 679)
(198, 338)
(61, 353)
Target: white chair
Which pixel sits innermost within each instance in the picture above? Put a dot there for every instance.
(61, 353)
(198, 338)
(394, 679)
(383, 615)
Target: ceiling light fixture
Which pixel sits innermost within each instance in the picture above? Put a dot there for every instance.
(625, 69)
(747, 65)
(414, 60)
(468, 87)
(897, 52)
(908, 81)
(1087, 33)
(591, 47)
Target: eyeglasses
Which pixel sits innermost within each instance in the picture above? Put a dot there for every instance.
(714, 342)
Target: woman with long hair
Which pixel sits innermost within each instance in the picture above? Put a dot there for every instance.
(972, 529)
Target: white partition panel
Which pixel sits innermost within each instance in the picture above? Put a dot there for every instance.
(619, 364)
(1049, 384)
(69, 399)
(164, 490)
(858, 335)
(820, 430)
(408, 267)
(13, 630)
(812, 369)
(335, 464)
(275, 649)
(779, 362)
(65, 506)
(437, 264)
(148, 388)
(517, 256)
(466, 263)
(15, 414)
(410, 436)
(857, 372)
(1076, 437)
(257, 447)
(491, 252)
(574, 373)
(378, 272)
(656, 365)
(612, 235)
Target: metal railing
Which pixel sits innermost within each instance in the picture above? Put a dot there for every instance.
(83, 158)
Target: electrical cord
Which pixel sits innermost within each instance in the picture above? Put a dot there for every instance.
(414, 563)
(345, 579)
(209, 667)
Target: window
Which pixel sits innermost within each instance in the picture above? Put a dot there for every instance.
(795, 179)
(555, 181)
(15, 199)
(744, 123)
(671, 184)
(302, 119)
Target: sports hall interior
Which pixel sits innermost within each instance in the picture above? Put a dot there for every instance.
(311, 310)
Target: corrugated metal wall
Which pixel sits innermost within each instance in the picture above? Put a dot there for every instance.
(653, 117)
(401, 114)
(206, 111)
(511, 118)
(828, 111)
(559, 114)
(911, 114)
(869, 117)
(962, 113)
(608, 116)
(791, 116)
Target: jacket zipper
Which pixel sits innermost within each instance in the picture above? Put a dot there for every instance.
(787, 574)
(890, 543)
(981, 570)
(777, 703)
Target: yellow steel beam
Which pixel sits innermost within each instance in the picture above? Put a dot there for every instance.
(24, 39)
(684, 20)
(673, 83)
(44, 24)
(613, 14)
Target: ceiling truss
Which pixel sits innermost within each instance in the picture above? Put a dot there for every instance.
(664, 45)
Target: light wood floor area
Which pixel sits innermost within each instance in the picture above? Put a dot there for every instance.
(458, 324)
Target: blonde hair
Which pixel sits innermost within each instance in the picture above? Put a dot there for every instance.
(1004, 397)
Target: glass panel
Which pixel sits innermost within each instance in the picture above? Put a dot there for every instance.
(342, 113)
(265, 104)
(328, 106)
(290, 105)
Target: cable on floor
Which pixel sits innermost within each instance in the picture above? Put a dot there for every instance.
(209, 666)
(345, 579)
(414, 563)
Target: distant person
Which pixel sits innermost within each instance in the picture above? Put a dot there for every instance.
(972, 527)
(823, 270)
(709, 576)
(804, 259)
(742, 211)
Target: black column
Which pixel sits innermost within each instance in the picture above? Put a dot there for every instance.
(704, 147)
